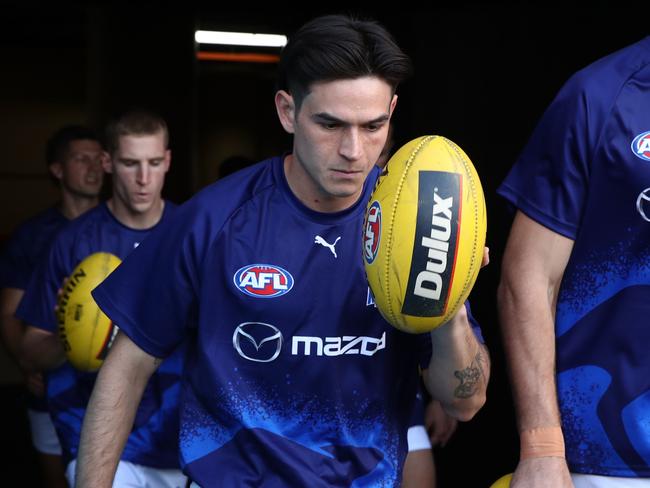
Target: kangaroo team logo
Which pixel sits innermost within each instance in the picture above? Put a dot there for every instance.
(641, 146)
(263, 280)
(372, 232)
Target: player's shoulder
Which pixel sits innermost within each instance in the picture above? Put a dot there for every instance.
(49, 217)
(169, 209)
(219, 200)
(245, 183)
(86, 223)
(603, 79)
(95, 215)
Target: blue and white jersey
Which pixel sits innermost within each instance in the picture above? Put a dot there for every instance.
(293, 377)
(154, 437)
(585, 174)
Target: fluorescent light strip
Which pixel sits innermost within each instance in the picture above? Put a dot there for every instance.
(239, 38)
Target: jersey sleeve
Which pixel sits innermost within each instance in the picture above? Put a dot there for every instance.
(37, 307)
(476, 327)
(152, 295)
(15, 264)
(549, 181)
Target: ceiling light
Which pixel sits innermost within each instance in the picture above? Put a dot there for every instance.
(239, 38)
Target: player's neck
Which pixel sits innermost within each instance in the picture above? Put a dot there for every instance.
(309, 194)
(134, 219)
(72, 206)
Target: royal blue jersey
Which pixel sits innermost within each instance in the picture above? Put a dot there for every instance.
(293, 377)
(154, 438)
(26, 247)
(417, 414)
(585, 174)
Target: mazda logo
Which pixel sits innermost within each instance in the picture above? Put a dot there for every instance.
(643, 204)
(257, 341)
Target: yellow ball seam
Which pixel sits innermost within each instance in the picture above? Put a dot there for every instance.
(472, 185)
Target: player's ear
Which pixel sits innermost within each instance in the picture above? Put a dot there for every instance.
(393, 102)
(107, 162)
(286, 108)
(168, 159)
(56, 170)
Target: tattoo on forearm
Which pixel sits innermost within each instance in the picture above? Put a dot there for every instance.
(470, 378)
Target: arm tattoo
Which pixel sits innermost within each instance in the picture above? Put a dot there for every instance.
(470, 377)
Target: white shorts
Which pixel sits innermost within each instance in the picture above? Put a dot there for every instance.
(418, 438)
(593, 481)
(134, 475)
(44, 435)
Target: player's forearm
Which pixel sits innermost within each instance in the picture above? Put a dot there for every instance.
(11, 329)
(12, 332)
(533, 267)
(40, 350)
(111, 411)
(459, 369)
(105, 430)
(526, 312)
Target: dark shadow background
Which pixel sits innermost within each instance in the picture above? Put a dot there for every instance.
(484, 74)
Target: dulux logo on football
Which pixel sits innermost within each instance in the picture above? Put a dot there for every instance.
(263, 280)
(641, 146)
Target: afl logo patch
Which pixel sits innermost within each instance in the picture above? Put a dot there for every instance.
(263, 280)
(641, 146)
(372, 232)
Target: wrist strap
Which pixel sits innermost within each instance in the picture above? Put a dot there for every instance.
(541, 442)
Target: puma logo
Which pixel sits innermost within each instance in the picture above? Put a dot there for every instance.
(323, 242)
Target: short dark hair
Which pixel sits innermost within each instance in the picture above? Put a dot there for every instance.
(138, 122)
(59, 143)
(338, 47)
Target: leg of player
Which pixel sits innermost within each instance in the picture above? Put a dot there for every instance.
(48, 449)
(53, 472)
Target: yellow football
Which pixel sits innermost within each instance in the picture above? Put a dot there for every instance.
(86, 332)
(503, 482)
(424, 234)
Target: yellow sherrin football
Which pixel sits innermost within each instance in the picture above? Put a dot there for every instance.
(424, 234)
(86, 332)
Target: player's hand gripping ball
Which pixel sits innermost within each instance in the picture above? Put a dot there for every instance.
(424, 234)
(86, 332)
